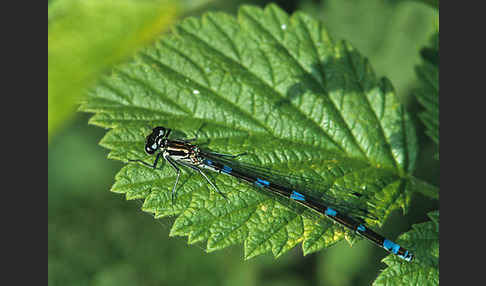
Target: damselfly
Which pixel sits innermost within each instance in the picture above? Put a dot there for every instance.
(180, 152)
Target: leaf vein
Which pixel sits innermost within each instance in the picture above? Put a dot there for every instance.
(332, 105)
(235, 106)
(275, 92)
(382, 131)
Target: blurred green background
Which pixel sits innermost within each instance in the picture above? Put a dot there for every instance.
(95, 237)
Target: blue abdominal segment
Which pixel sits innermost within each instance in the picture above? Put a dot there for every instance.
(361, 227)
(330, 212)
(261, 183)
(297, 196)
(391, 246)
(226, 169)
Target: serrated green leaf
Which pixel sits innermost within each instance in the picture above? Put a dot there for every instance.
(275, 86)
(428, 94)
(424, 270)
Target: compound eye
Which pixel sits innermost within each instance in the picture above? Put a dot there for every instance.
(159, 131)
(150, 149)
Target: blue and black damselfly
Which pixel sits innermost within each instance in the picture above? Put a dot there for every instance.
(180, 152)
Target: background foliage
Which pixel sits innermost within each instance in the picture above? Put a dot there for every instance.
(86, 37)
(123, 235)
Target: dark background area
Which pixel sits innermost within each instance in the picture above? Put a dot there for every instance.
(96, 237)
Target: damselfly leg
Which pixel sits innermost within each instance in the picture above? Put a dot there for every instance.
(213, 185)
(178, 171)
(154, 165)
(206, 177)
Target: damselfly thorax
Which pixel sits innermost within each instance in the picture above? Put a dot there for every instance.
(181, 151)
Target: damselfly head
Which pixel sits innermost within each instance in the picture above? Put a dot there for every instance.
(154, 140)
